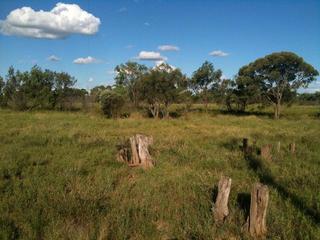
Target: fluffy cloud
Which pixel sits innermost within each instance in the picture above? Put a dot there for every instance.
(53, 58)
(85, 60)
(168, 48)
(62, 21)
(150, 56)
(90, 79)
(218, 53)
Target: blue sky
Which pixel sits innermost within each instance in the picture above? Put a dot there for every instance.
(244, 30)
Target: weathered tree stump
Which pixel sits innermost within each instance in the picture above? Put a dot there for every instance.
(278, 146)
(292, 147)
(135, 151)
(221, 210)
(266, 152)
(245, 144)
(258, 210)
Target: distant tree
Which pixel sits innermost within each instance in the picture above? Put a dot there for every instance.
(309, 98)
(111, 103)
(37, 86)
(128, 75)
(204, 79)
(63, 94)
(246, 90)
(95, 92)
(2, 84)
(161, 87)
(13, 93)
(277, 74)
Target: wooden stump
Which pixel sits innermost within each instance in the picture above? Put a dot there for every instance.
(258, 210)
(266, 152)
(135, 152)
(221, 210)
(292, 147)
(279, 147)
(245, 144)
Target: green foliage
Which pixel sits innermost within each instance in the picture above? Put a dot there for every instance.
(275, 75)
(128, 76)
(59, 178)
(204, 79)
(111, 103)
(96, 91)
(161, 87)
(2, 84)
(37, 89)
(309, 98)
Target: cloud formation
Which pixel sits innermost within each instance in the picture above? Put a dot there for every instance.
(86, 60)
(218, 53)
(123, 9)
(150, 56)
(168, 48)
(53, 58)
(90, 79)
(62, 21)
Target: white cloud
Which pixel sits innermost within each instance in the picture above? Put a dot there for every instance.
(147, 24)
(90, 79)
(224, 77)
(85, 60)
(218, 53)
(53, 58)
(62, 21)
(150, 56)
(168, 48)
(123, 9)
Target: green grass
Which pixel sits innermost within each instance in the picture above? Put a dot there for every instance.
(59, 178)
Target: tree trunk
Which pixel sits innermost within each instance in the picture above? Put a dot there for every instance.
(205, 100)
(221, 210)
(258, 210)
(277, 109)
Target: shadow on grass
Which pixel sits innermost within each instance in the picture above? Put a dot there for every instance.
(243, 200)
(266, 177)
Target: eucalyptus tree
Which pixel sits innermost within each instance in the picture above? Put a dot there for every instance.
(204, 79)
(128, 75)
(278, 74)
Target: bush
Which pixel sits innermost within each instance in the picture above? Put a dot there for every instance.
(111, 103)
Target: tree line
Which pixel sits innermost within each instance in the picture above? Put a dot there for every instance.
(273, 79)
(38, 89)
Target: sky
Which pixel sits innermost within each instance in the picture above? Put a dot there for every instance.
(88, 38)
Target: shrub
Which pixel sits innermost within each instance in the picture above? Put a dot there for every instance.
(111, 103)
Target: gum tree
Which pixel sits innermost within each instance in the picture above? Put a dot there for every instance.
(278, 74)
(205, 78)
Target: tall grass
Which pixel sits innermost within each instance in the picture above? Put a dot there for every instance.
(59, 178)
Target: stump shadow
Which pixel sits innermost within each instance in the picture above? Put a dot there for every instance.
(266, 177)
(214, 194)
(243, 200)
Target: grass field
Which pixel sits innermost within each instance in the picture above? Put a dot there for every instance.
(60, 179)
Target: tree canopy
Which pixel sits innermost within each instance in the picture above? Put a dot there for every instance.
(204, 79)
(277, 74)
